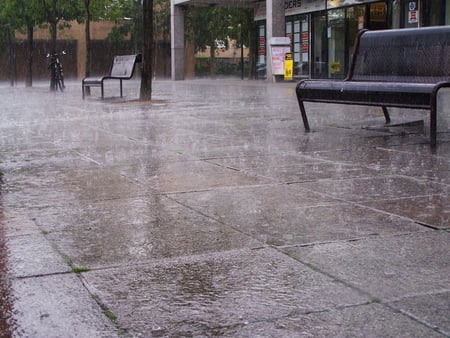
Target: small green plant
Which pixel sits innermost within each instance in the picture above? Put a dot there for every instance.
(80, 269)
(110, 315)
(45, 232)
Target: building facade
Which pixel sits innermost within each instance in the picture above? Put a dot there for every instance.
(321, 32)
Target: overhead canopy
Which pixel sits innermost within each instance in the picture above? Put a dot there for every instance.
(225, 3)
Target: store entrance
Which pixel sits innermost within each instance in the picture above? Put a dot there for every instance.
(334, 34)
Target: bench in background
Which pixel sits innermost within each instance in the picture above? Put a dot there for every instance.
(122, 68)
(402, 68)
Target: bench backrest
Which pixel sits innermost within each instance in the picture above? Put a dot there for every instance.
(402, 55)
(123, 66)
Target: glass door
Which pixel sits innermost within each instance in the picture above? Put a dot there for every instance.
(336, 43)
(319, 50)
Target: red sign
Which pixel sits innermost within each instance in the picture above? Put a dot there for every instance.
(412, 17)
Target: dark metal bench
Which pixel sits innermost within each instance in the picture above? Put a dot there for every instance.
(402, 68)
(122, 68)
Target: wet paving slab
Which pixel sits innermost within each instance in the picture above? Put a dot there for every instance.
(210, 212)
(408, 272)
(39, 258)
(371, 320)
(432, 211)
(112, 233)
(286, 215)
(44, 188)
(394, 161)
(377, 188)
(218, 291)
(57, 306)
(189, 176)
(293, 167)
(404, 266)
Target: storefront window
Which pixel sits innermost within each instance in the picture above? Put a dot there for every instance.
(378, 16)
(261, 54)
(411, 14)
(319, 67)
(336, 43)
(447, 12)
(432, 13)
(297, 29)
(424, 13)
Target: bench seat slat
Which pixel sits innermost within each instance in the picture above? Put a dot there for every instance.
(398, 94)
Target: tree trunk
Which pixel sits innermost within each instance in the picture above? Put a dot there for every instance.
(29, 76)
(53, 26)
(146, 74)
(212, 62)
(251, 45)
(87, 32)
(12, 58)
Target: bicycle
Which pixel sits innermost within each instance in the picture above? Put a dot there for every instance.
(57, 74)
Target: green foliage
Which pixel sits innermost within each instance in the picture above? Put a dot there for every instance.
(223, 67)
(19, 15)
(213, 26)
(128, 17)
(62, 10)
(161, 20)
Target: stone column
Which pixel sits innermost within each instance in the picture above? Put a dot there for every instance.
(177, 41)
(276, 27)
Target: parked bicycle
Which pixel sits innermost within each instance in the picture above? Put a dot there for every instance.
(57, 74)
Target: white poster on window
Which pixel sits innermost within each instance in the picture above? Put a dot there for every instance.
(278, 55)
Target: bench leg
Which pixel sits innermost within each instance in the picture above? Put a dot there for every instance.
(103, 91)
(121, 92)
(86, 90)
(433, 127)
(433, 112)
(433, 120)
(386, 114)
(304, 117)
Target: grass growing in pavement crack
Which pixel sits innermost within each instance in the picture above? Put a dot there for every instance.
(108, 313)
(80, 269)
(75, 269)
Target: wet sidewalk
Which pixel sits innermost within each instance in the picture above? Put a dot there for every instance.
(209, 212)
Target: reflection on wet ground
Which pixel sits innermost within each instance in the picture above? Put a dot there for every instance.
(210, 212)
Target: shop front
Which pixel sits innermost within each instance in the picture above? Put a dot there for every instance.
(322, 33)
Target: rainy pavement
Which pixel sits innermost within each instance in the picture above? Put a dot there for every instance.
(210, 212)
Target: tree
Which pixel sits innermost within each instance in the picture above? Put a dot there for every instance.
(24, 15)
(128, 17)
(7, 39)
(58, 14)
(212, 26)
(243, 30)
(93, 10)
(136, 18)
(147, 60)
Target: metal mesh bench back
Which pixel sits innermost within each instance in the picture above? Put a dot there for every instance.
(123, 66)
(403, 55)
